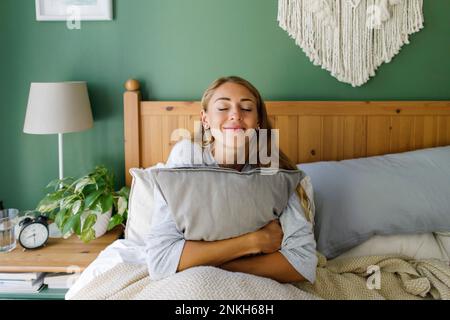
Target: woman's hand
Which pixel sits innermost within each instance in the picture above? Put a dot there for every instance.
(215, 253)
(268, 239)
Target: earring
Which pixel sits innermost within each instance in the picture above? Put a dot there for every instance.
(207, 137)
(206, 126)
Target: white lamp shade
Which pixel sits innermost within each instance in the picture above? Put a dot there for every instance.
(59, 107)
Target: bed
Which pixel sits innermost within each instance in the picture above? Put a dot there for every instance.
(310, 132)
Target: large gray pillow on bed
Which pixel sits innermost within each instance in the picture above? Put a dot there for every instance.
(405, 193)
(210, 203)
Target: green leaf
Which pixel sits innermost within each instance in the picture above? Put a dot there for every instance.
(110, 180)
(100, 171)
(114, 221)
(89, 189)
(71, 223)
(69, 201)
(89, 222)
(122, 205)
(83, 183)
(91, 199)
(77, 226)
(47, 206)
(77, 207)
(107, 202)
(97, 206)
(53, 183)
(101, 185)
(50, 215)
(88, 235)
(67, 235)
(124, 192)
(61, 218)
(50, 202)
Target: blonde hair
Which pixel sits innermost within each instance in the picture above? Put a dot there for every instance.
(264, 123)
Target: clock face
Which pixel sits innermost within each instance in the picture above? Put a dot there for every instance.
(33, 236)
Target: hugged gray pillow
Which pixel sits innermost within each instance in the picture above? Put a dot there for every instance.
(210, 203)
(405, 193)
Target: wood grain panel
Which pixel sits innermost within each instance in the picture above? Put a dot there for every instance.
(288, 133)
(309, 139)
(378, 135)
(152, 141)
(425, 131)
(273, 121)
(443, 137)
(402, 134)
(355, 137)
(332, 138)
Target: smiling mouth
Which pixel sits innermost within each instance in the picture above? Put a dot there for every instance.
(234, 128)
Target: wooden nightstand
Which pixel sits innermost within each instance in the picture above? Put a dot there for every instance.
(59, 255)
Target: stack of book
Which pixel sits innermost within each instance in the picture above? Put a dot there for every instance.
(31, 282)
(60, 280)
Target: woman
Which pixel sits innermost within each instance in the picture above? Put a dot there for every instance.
(283, 250)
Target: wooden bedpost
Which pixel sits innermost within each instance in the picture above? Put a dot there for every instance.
(132, 101)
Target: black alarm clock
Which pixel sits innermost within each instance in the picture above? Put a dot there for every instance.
(34, 232)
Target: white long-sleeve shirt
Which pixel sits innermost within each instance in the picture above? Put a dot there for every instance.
(164, 244)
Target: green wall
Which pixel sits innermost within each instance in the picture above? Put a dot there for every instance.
(176, 48)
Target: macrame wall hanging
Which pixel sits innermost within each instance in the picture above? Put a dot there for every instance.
(350, 38)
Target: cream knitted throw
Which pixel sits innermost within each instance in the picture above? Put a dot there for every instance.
(401, 278)
(127, 281)
(350, 38)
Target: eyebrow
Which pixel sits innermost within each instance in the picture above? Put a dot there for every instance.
(228, 99)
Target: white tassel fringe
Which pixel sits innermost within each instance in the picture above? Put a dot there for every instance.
(351, 38)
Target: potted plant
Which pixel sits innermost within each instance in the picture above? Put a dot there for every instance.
(87, 206)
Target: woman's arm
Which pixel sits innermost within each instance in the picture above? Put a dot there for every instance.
(295, 261)
(233, 255)
(216, 253)
(273, 265)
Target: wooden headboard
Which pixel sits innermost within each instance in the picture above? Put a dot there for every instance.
(309, 130)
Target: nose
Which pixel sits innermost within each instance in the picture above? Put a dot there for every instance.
(236, 113)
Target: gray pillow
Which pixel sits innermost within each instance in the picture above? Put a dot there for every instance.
(210, 203)
(405, 193)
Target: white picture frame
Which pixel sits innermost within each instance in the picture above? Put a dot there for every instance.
(63, 10)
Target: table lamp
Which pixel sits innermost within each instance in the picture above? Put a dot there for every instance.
(58, 108)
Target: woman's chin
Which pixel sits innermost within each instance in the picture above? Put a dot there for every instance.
(229, 145)
(234, 143)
